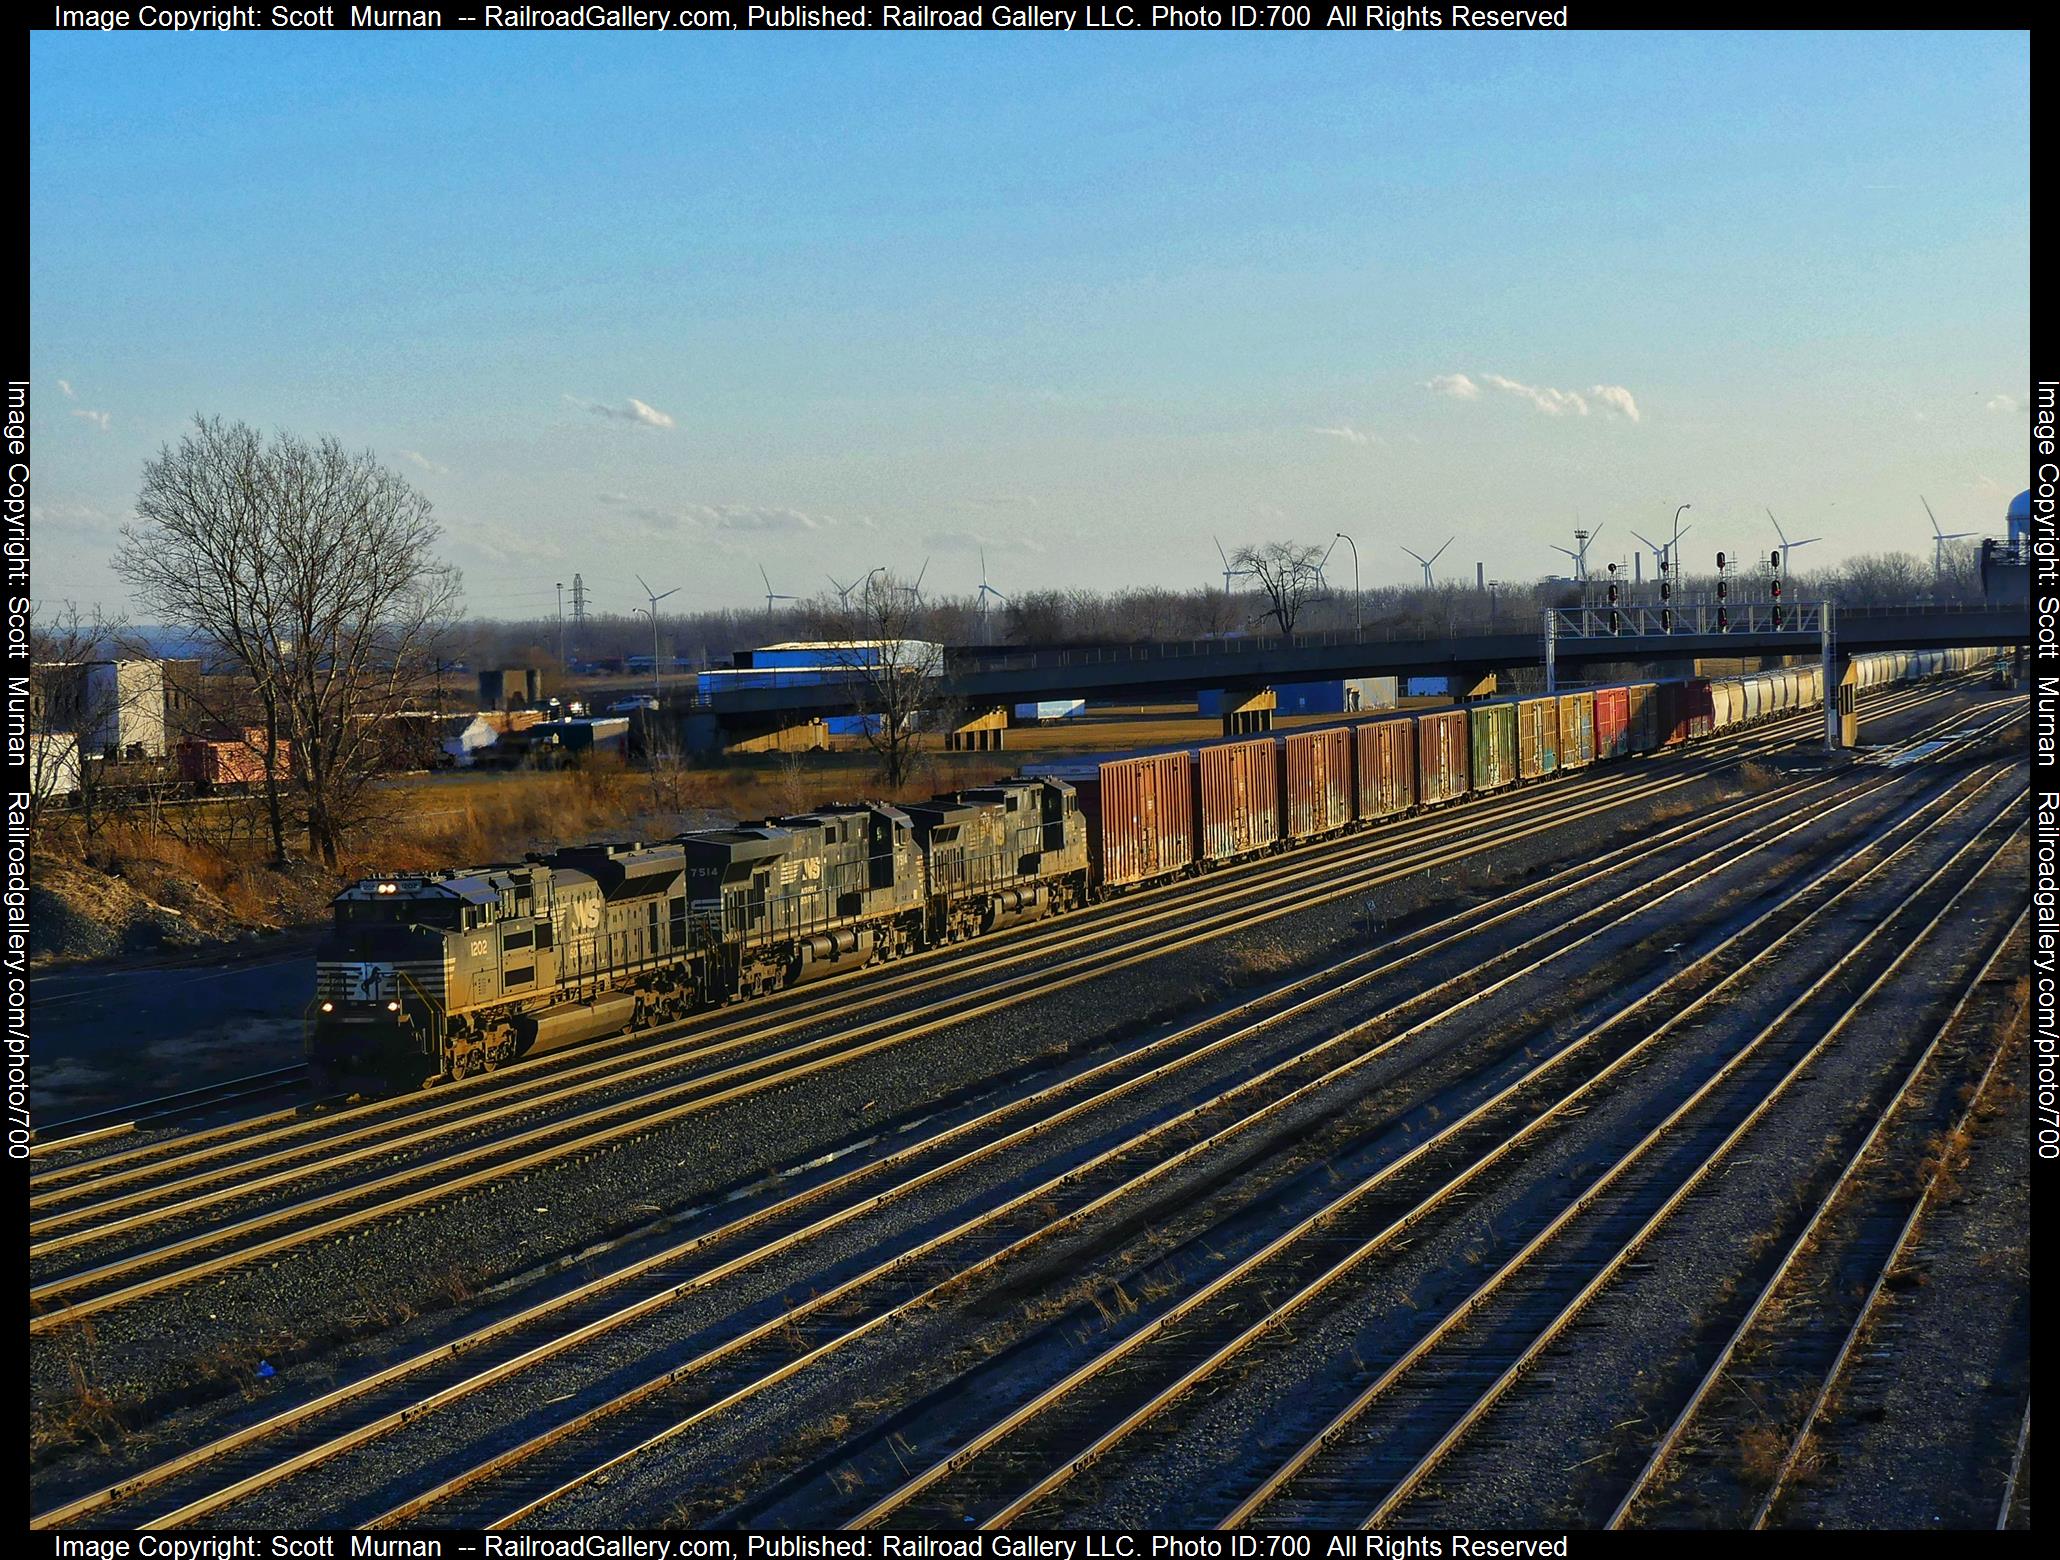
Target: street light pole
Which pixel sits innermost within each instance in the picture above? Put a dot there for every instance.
(1358, 601)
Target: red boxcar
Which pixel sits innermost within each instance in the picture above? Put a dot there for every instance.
(1316, 782)
(211, 764)
(1612, 722)
(1441, 765)
(1237, 799)
(1387, 767)
(1644, 716)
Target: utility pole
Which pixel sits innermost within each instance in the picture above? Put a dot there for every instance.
(579, 611)
(1357, 600)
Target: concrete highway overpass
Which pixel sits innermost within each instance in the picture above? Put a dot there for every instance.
(1148, 673)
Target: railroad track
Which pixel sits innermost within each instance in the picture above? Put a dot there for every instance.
(791, 1011)
(1001, 1473)
(1813, 1334)
(1333, 1475)
(389, 1398)
(117, 1120)
(80, 1216)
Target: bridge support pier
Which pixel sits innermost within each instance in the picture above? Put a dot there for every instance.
(982, 734)
(1251, 715)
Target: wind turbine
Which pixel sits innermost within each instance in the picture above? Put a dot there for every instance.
(1581, 540)
(1787, 546)
(1659, 550)
(1427, 562)
(843, 591)
(655, 598)
(1938, 552)
(1228, 572)
(772, 595)
(986, 590)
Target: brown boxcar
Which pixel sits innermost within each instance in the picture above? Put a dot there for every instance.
(1139, 812)
(1387, 768)
(1612, 722)
(1441, 757)
(1643, 716)
(210, 764)
(1315, 782)
(1237, 800)
(1537, 737)
(1576, 730)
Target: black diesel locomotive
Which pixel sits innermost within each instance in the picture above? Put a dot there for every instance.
(438, 975)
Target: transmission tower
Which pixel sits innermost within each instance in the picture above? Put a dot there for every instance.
(579, 615)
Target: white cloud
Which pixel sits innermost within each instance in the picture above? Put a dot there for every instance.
(66, 386)
(417, 458)
(2005, 404)
(100, 420)
(1347, 433)
(1613, 400)
(634, 411)
(1553, 403)
(1618, 397)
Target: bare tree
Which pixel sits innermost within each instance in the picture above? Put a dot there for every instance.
(310, 569)
(1287, 573)
(892, 673)
(76, 717)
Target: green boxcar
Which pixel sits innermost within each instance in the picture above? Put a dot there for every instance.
(1491, 731)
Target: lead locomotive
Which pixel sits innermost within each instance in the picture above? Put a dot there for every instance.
(437, 975)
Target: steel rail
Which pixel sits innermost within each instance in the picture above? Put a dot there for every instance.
(1453, 1319)
(539, 1081)
(537, 1443)
(2016, 1468)
(1664, 1447)
(550, 1074)
(1278, 1313)
(77, 1131)
(1413, 1479)
(1846, 1345)
(318, 1153)
(536, 1080)
(1455, 929)
(635, 1115)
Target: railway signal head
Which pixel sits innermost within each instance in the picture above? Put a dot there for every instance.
(1722, 590)
(1774, 559)
(1777, 588)
(1720, 560)
(1666, 591)
(1666, 620)
(1612, 592)
(1615, 619)
(1777, 614)
(1723, 621)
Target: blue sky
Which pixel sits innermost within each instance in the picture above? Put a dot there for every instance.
(693, 304)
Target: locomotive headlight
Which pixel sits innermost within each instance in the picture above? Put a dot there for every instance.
(393, 1007)
(328, 1007)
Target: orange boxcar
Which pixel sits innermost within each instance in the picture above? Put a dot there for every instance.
(1441, 757)
(1315, 782)
(1237, 800)
(1387, 767)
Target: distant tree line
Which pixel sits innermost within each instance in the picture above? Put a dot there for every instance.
(1275, 588)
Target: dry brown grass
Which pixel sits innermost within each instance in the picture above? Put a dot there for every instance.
(1256, 966)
